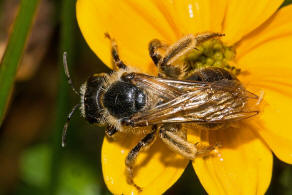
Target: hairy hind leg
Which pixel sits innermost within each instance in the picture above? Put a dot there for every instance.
(167, 64)
(176, 140)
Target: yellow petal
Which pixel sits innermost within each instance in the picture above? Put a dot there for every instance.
(245, 16)
(133, 24)
(242, 165)
(268, 69)
(274, 124)
(155, 171)
(277, 26)
(196, 16)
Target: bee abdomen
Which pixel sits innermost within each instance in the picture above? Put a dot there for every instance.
(211, 74)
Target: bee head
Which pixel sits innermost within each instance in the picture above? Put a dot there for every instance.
(90, 93)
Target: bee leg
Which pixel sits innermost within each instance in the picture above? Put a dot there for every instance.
(168, 66)
(144, 144)
(155, 47)
(176, 140)
(208, 35)
(110, 131)
(117, 62)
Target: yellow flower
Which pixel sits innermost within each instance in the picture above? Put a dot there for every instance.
(262, 37)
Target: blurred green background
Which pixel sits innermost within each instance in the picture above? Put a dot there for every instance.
(31, 158)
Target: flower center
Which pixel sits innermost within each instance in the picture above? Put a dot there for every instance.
(212, 53)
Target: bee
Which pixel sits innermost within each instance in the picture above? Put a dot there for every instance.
(159, 106)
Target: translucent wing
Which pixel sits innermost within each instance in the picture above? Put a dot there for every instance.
(164, 88)
(191, 101)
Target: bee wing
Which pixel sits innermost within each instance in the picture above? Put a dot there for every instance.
(165, 88)
(195, 102)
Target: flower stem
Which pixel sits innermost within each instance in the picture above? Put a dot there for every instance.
(67, 23)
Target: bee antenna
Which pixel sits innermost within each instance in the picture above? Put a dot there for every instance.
(67, 73)
(67, 124)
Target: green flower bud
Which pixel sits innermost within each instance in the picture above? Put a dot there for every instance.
(218, 56)
(218, 63)
(209, 61)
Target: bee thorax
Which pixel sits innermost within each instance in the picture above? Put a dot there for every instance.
(123, 99)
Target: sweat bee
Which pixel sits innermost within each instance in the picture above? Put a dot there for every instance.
(159, 106)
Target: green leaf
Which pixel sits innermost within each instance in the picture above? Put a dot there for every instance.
(286, 2)
(76, 175)
(77, 178)
(35, 165)
(14, 51)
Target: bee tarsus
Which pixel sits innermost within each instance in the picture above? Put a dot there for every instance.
(117, 62)
(110, 131)
(155, 48)
(142, 145)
